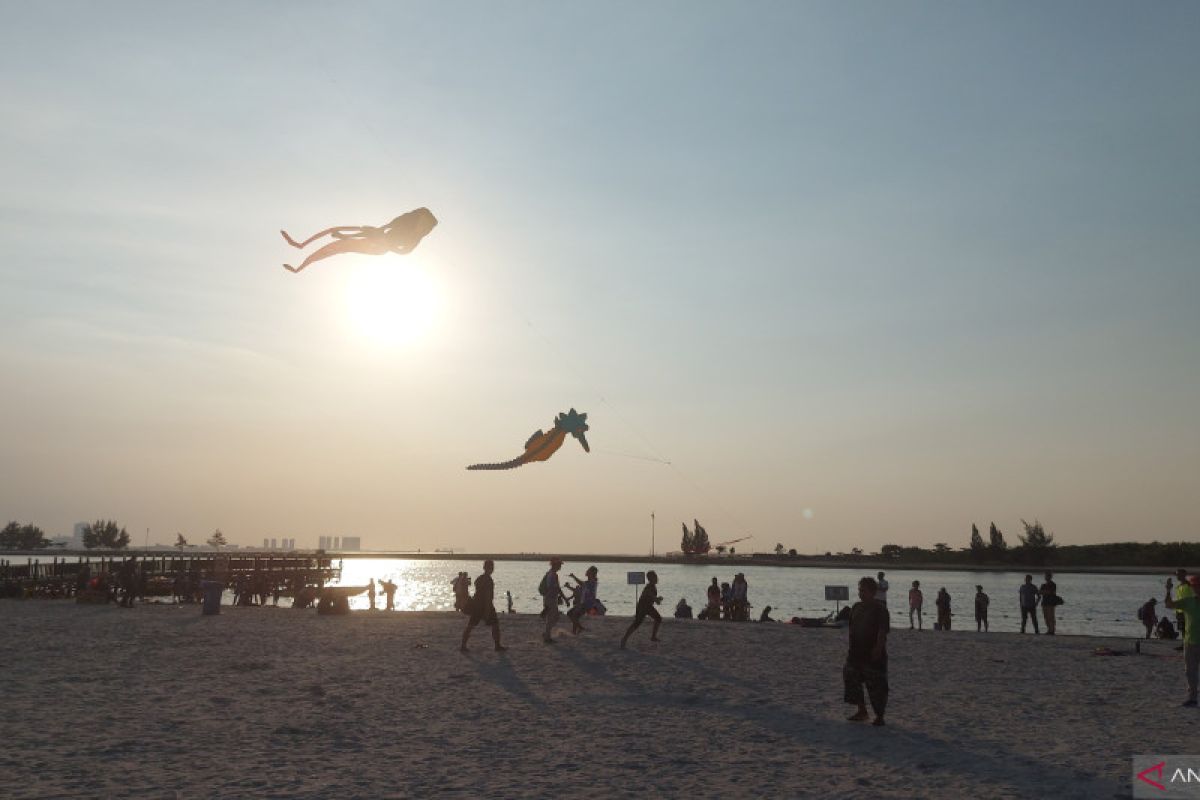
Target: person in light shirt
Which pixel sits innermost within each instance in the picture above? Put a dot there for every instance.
(881, 592)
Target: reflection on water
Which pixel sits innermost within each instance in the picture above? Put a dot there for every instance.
(1095, 604)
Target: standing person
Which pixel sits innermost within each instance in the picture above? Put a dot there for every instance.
(482, 609)
(551, 593)
(587, 598)
(714, 600)
(1050, 601)
(371, 593)
(981, 606)
(1184, 589)
(1148, 614)
(739, 599)
(1190, 606)
(943, 608)
(645, 608)
(1028, 594)
(510, 605)
(881, 592)
(866, 663)
(462, 592)
(916, 601)
(389, 594)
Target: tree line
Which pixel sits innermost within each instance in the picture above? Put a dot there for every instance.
(103, 534)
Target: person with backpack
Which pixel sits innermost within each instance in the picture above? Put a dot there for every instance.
(551, 592)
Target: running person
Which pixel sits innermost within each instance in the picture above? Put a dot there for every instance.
(645, 608)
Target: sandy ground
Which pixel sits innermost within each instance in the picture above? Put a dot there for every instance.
(158, 701)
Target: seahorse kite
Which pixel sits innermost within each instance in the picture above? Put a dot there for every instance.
(543, 445)
(401, 235)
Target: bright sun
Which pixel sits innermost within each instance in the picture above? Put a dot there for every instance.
(392, 301)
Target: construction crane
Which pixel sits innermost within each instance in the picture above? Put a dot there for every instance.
(732, 541)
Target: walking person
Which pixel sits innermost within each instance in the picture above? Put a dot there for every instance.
(916, 601)
(1028, 594)
(981, 607)
(866, 662)
(943, 609)
(881, 593)
(482, 608)
(1050, 601)
(551, 594)
(645, 608)
(1190, 606)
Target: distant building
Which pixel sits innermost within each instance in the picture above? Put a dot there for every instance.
(351, 543)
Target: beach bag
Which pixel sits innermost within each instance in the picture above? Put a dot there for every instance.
(542, 586)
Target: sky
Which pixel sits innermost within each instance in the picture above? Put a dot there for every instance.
(829, 275)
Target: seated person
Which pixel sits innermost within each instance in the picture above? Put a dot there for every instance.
(683, 610)
(766, 615)
(1166, 630)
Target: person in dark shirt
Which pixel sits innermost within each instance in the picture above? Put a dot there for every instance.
(1029, 603)
(389, 593)
(683, 610)
(1049, 593)
(481, 607)
(645, 608)
(942, 601)
(866, 663)
(766, 615)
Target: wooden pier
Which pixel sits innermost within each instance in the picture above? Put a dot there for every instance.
(158, 574)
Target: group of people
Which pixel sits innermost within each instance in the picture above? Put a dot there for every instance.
(1029, 598)
(583, 602)
(728, 601)
(1162, 627)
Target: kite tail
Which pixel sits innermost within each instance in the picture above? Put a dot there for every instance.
(516, 462)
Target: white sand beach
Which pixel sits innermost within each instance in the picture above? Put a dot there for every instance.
(158, 701)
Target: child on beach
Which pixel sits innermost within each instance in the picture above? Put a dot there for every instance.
(645, 608)
(587, 598)
(916, 600)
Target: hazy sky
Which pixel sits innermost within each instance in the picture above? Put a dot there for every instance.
(862, 272)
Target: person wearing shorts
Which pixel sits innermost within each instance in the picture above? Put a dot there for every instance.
(482, 609)
(645, 608)
(550, 597)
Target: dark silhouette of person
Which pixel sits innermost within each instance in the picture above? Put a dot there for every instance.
(482, 608)
(1148, 614)
(510, 605)
(765, 616)
(645, 608)
(1029, 601)
(943, 608)
(866, 662)
(981, 608)
(682, 609)
(1049, 592)
(389, 593)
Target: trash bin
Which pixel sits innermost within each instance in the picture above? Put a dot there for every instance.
(212, 597)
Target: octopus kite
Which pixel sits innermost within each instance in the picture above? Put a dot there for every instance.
(543, 445)
(401, 235)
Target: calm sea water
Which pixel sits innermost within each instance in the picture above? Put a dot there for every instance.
(1101, 605)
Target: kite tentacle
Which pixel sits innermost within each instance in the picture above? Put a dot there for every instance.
(516, 462)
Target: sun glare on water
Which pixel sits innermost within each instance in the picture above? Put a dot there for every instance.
(392, 302)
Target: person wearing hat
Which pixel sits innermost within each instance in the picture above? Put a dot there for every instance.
(1190, 606)
(981, 607)
(1148, 614)
(551, 593)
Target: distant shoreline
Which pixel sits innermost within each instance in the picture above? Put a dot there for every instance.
(758, 560)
